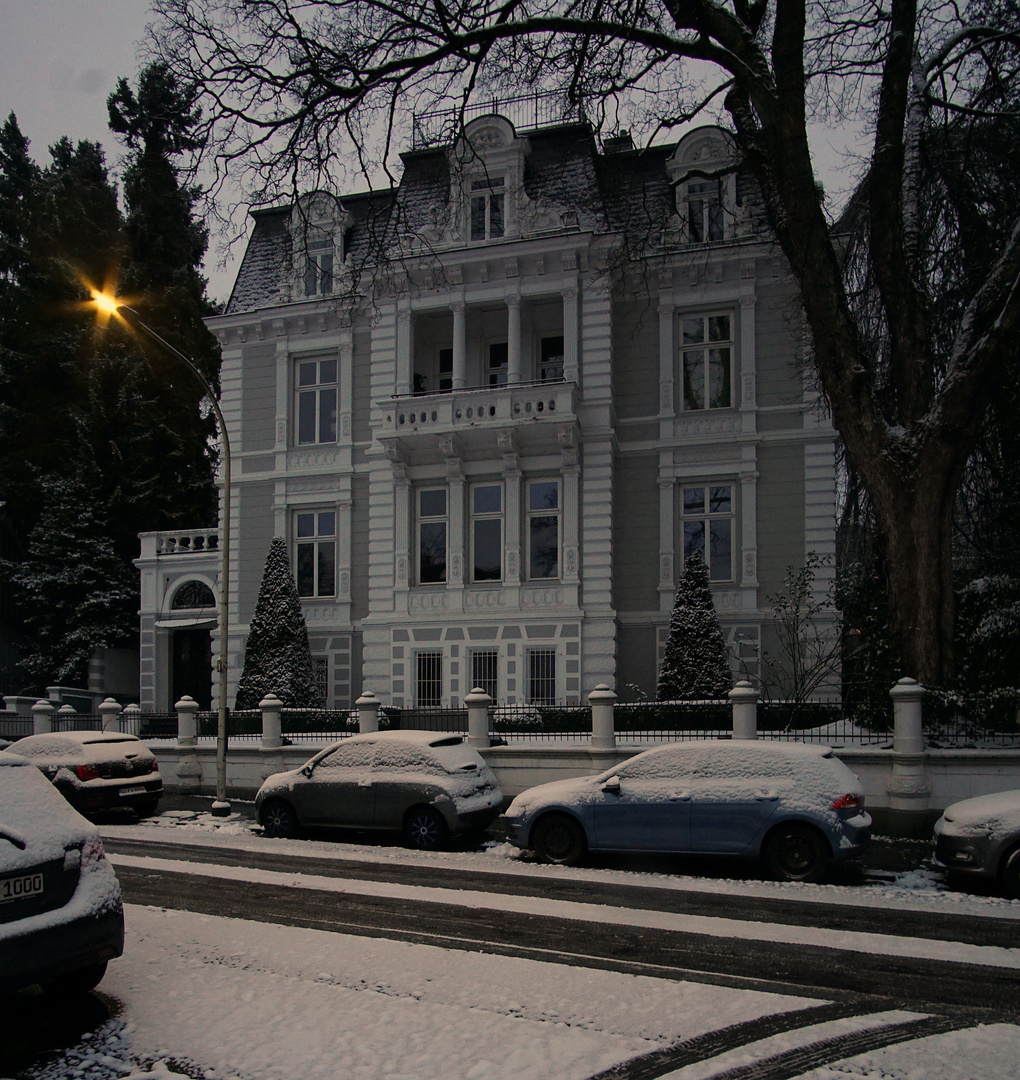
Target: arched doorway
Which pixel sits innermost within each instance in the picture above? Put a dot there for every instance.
(191, 645)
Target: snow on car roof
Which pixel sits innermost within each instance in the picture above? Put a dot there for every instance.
(57, 743)
(418, 738)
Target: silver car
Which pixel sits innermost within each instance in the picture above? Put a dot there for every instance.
(61, 917)
(97, 770)
(429, 785)
(795, 806)
(980, 838)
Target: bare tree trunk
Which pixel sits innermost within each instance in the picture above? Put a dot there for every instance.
(915, 524)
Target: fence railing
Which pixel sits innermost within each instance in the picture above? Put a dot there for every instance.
(946, 721)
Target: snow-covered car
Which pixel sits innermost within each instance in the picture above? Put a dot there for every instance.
(429, 785)
(797, 807)
(96, 770)
(980, 837)
(61, 916)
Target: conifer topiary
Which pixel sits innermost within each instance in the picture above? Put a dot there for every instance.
(276, 657)
(694, 663)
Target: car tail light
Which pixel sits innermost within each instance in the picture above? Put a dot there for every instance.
(92, 851)
(848, 802)
(87, 772)
(154, 767)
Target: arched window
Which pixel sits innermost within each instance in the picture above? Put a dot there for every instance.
(193, 594)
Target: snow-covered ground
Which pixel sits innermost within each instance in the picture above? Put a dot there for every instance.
(221, 998)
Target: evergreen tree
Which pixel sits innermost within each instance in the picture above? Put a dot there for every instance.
(162, 279)
(276, 657)
(79, 594)
(694, 663)
(92, 409)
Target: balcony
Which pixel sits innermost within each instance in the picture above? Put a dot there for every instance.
(534, 411)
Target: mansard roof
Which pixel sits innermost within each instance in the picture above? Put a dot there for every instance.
(628, 192)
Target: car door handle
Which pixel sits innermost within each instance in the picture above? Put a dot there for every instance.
(680, 796)
(767, 796)
(364, 783)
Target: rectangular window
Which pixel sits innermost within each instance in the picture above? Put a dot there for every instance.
(315, 552)
(708, 528)
(550, 359)
(542, 676)
(318, 278)
(432, 521)
(705, 212)
(498, 363)
(487, 205)
(543, 529)
(429, 681)
(316, 385)
(487, 532)
(485, 671)
(707, 361)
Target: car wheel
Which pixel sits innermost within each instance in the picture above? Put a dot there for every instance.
(278, 819)
(1009, 875)
(147, 808)
(559, 839)
(796, 853)
(424, 829)
(79, 981)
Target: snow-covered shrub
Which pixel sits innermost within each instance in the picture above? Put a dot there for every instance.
(277, 659)
(694, 663)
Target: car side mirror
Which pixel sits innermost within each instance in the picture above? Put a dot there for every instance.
(307, 771)
(612, 786)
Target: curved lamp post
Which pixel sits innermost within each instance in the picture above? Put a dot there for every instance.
(111, 306)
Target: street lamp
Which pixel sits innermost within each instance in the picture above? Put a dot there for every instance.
(111, 306)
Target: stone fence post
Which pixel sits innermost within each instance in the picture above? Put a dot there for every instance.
(744, 701)
(187, 714)
(131, 720)
(368, 712)
(478, 702)
(908, 737)
(603, 723)
(909, 786)
(110, 711)
(42, 717)
(189, 771)
(271, 707)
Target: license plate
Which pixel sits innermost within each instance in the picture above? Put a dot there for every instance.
(124, 791)
(17, 888)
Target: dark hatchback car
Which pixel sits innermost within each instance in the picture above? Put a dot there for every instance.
(96, 770)
(429, 785)
(61, 916)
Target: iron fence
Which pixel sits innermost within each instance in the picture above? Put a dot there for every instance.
(526, 112)
(15, 727)
(537, 723)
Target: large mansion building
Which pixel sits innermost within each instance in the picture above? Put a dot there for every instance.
(492, 410)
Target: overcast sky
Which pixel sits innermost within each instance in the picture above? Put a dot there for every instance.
(60, 60)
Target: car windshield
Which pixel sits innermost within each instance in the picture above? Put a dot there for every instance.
(107, 741)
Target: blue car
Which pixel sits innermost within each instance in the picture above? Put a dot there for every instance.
(796, 807)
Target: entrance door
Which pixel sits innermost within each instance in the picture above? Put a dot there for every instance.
(192, 667)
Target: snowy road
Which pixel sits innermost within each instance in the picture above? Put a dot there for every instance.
(222, 997)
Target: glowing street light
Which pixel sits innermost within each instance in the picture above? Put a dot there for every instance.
(110, 306)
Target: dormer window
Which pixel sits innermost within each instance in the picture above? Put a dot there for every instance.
(705, 211)
(488, 208)
(318, 226)
(318, 275)
(702, 169)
